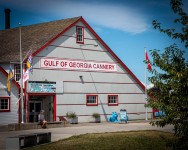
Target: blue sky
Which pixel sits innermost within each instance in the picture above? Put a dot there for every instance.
(124, 25)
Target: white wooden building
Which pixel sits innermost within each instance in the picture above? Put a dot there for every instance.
(73, 71)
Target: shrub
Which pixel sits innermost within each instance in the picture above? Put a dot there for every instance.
(95, 115)
(71, 115)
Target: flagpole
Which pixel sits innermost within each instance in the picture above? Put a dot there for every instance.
(146, 85)
(21, 77)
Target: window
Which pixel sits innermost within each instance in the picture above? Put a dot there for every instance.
(92, 100)
(80, 34)
(112, 100)
(17, 72)
(4, 104)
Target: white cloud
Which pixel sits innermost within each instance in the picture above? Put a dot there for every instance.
(102, 14)
(106, 15)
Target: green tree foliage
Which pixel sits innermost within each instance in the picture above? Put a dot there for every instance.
(170, 92)
(182, 21)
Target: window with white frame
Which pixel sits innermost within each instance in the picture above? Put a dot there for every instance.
(4, 104)
(92, 100)
(113, 100)
(79, 34)
(17, 72)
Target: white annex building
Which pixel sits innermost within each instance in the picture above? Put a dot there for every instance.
(73, 71)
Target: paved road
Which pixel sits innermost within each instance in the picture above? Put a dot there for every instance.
(65, 132)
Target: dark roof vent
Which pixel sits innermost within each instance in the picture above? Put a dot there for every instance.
(7, 18)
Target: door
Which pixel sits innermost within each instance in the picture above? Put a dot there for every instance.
(34, 110)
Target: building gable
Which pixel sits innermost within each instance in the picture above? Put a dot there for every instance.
(81, 22)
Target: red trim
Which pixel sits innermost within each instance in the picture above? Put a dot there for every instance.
(19, 111)
(112, 53)
(8, 110)
(27, 107)
(41, 94)
(6, 74)
(113, 104)
(80, 42)
(92, 104)
(54, 107)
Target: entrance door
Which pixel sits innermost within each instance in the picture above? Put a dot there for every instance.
(34, 110)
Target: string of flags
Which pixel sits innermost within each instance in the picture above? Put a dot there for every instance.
(25, 75)
(29, 68)
(30, 63)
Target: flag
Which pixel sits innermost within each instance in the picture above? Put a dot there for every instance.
(30, 63)
(10, 77)
(148, 62)
(26, 76)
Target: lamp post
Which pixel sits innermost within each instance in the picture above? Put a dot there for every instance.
(21, 77)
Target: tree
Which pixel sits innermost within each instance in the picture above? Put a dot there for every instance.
(170, 93)
(176, 6)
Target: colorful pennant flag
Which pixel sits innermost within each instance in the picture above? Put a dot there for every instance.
(9, 79)
(26, 76)
(148, 62)
(30, 63)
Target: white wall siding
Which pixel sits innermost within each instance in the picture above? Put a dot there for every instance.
(135, 111)
(101, 87)
(133, 103)
(12, 116)
(130, 94)
(65, 75)
(80, 98)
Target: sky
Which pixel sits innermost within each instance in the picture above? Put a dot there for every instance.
(124, 25)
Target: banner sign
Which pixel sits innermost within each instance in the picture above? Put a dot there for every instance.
(56, 63)
(40, 87)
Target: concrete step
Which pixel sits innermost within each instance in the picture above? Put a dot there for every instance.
(28, 126)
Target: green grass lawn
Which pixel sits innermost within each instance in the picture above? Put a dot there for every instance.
(134, 140)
